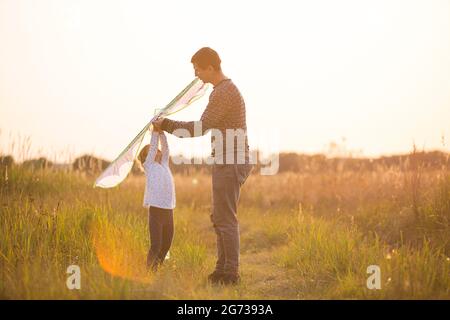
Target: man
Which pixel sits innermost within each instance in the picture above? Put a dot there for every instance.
(224, 114)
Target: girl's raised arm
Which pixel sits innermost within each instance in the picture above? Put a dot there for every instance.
(153, 147)
(164, 148)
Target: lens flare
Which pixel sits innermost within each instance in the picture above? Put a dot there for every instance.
(119, 253)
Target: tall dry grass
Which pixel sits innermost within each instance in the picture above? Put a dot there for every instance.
(303, 236)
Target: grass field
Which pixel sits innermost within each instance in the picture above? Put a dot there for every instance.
(303, 236)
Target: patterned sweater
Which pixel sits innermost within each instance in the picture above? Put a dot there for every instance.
(225, 110)
(159, 187)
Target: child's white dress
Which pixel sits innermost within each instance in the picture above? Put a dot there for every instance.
(159, 187)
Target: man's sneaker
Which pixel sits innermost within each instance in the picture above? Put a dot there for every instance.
(216, 276)
(230, 278)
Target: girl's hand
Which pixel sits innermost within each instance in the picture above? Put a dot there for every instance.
(157, 124)
(157, 129)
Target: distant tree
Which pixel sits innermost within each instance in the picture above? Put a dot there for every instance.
(36, 164)
(6, 161)
(88, 163)
(289, 162)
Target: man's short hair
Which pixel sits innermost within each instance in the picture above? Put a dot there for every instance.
(207, 57)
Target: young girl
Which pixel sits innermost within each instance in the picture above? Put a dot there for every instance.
(159, 198)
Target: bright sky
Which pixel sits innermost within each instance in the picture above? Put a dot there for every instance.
(85, 76)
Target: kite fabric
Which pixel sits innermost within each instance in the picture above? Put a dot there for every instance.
(118, 170)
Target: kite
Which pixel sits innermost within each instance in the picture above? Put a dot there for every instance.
(118, 170)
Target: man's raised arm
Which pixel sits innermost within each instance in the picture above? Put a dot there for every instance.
(211, 118)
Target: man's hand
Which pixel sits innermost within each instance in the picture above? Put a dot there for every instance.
(157, 124)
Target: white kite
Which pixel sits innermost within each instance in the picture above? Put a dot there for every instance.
(118, 170)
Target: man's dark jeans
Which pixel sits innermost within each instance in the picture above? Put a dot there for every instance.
(227, 180)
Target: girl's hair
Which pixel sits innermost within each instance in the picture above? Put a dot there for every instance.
(143, 154)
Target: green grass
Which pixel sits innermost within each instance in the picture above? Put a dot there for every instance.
(53, 219)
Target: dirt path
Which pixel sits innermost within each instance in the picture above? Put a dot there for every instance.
(264, 278)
